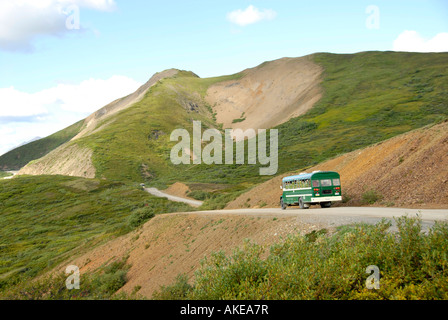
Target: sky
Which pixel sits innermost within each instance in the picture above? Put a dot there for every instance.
(61, 60)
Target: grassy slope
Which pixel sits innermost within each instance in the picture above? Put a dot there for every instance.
(47, 219)
(369, 97)
(127, 148)
(19, 157)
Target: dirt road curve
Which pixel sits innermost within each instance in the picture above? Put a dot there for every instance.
(13, 174)
(160, 194)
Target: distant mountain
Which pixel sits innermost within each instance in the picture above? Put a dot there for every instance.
(37, 148)
(24, 143)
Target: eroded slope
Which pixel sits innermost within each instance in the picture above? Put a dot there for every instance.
(267, 95)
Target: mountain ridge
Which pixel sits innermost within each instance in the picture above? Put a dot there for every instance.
(122, 103)
(363, 98)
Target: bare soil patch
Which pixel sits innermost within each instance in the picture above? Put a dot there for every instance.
(267, 95)
(178, 189)
(69, 159)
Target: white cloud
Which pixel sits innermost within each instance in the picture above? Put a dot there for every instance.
(250, 15)
(24, 116)
(412, 41)
(85, 97)
(89, 95)
(19, 104)
(23, 20)
(103, 5)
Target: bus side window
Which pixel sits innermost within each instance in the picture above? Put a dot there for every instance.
(307, 184)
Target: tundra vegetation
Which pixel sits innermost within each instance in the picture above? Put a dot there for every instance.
(45, 220)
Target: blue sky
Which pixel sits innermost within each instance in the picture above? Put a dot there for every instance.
(52, 74)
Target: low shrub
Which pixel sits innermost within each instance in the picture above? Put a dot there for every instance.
(371, 197)
(200, 195)
(140, 216)
(102, 284)
(178, 291)
(320, 266)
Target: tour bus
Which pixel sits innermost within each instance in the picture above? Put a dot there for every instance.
(305, 189)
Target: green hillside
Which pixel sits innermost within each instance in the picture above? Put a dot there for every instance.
(134, 145)
(19, 157)
(368, 97)
(45, 220)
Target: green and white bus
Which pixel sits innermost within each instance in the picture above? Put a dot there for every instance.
(305, 189)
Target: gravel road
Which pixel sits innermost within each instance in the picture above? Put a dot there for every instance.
(337, 216)
(160, 194)
(330, 217)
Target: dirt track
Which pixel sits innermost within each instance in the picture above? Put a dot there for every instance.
(160, 194)
(10, 177)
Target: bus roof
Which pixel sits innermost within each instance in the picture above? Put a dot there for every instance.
(306, 176)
